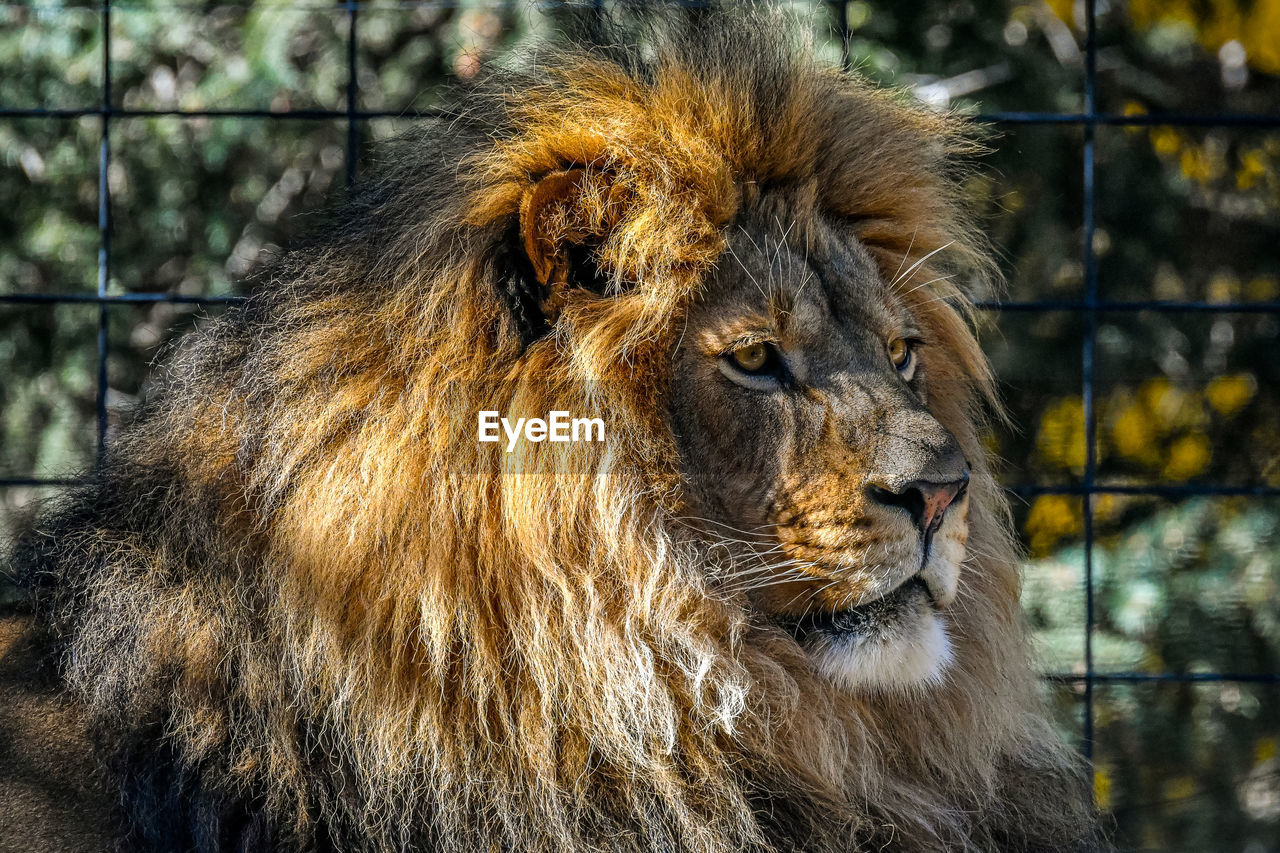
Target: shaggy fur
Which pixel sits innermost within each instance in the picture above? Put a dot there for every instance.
(306, 610)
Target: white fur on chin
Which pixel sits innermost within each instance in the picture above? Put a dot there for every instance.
(913, 656)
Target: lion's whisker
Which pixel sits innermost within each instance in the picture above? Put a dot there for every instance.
(728, 541)
(926, 284)
(916, 265)
(906, 254)
(789, 572)
(688, 518)
(745, 268)
(796, 569)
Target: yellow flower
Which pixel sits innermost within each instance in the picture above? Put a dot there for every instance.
(1252, 167)
(1169, 405)
(1105, 507)
(1052, 517)
(1262, 288)
(1102, 788)
(1166, 141)
(1064, 9)
(1060, 439)
(1133, 108)
(1195, 165)
(1261, 36)
(1229, 394)
(1188, 456)
(1133, 434)
(1224, 286)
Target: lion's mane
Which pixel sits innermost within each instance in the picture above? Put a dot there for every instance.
(306, 609)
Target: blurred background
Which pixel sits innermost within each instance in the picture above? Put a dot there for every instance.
(153, 153)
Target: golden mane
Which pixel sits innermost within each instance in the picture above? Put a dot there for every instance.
(303, 576)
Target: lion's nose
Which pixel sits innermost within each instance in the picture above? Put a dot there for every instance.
(924, 500)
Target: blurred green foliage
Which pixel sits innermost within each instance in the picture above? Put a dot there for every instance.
(1183, 213)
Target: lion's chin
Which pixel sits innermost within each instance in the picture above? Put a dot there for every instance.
(911, 655)
(898, 643)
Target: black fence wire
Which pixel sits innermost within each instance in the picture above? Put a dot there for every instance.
(1090, 306)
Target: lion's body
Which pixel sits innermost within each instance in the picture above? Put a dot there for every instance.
(304, 609)
(52, 799)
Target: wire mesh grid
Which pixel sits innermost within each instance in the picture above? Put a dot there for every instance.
(1090, 306)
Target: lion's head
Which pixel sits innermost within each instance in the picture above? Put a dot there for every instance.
(775, 608)
(800, 403)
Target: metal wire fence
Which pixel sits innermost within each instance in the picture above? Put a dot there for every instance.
(1090, 306)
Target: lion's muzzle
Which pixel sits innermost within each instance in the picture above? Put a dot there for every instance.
(925, 501)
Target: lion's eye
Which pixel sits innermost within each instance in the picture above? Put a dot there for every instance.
(759, 362)
(751, 358)
(903, 356)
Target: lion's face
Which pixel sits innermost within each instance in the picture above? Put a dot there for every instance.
(800, 404)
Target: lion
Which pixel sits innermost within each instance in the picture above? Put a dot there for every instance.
(300, 606)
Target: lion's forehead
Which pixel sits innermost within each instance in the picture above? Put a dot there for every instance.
(816, 288)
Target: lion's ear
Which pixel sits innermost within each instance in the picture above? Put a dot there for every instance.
(563, 220)
(552, 247)
(547, 224)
